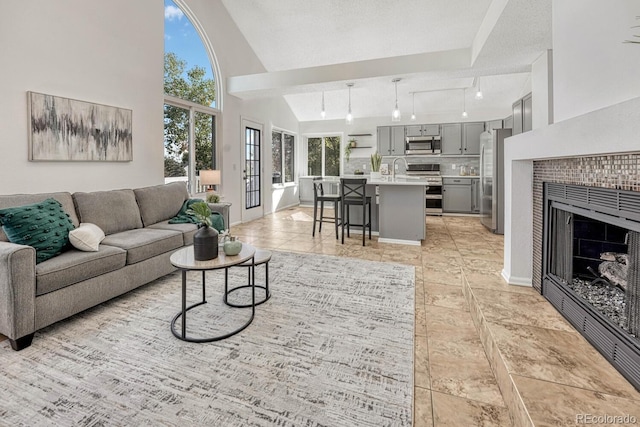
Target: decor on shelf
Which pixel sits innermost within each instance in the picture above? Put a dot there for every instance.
(347, 149)
(376, 160)
(349, 118)
(395, 115)
(205, 241)
(63, 129)
(232, 246)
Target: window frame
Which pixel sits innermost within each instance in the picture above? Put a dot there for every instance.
(294, 177)
(323, 136)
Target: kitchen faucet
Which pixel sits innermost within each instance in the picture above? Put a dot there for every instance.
(393, 166)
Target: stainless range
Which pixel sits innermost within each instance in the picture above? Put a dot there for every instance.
(430, 173)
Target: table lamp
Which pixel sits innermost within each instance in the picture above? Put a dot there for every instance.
(210, 178)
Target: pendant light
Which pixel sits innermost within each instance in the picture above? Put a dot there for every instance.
(349, 118)
(395, 115)
(413, 107)
(323, 113)
(464, 103)
(479, 92)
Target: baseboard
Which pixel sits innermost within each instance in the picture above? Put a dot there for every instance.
(518, 281)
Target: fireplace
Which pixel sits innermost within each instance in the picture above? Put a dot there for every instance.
(591, 267)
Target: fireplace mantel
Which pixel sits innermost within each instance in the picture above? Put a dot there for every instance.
(611, 130)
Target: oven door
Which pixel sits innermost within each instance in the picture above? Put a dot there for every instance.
(433, 199)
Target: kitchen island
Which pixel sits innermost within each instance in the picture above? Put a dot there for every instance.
(399, 208)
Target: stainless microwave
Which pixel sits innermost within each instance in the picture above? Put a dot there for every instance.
(423, 145)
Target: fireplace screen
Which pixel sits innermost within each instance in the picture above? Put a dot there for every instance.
(591, 268)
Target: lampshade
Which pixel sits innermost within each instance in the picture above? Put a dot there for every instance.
(210, 177)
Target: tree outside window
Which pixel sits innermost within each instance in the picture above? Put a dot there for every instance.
(323, 156)
(283, 157)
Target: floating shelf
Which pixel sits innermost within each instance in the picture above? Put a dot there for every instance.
(361, 146)
(359, 134)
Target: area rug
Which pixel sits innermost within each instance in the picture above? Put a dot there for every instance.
(332, 347)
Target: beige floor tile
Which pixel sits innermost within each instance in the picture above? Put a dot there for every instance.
(453, 411)
(422, 410)
(462, 369)
(445, 296)
(551, 404)
(558, 356)
(445, 324)
(421, 363)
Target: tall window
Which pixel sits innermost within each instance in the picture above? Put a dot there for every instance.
(190, 95)
(323, 155)
(283, 152)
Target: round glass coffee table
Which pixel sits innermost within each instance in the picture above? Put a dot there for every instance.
(185, 261)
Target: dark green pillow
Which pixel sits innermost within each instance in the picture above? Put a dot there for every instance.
(44, 225)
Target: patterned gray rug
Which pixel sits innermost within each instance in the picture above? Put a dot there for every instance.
(333, 347)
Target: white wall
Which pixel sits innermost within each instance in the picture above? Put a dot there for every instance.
(542, 88)
(593, 68)
(104, 52)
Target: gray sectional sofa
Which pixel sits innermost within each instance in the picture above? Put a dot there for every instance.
(136, 250)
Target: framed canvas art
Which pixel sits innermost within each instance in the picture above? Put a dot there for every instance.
(63, 129)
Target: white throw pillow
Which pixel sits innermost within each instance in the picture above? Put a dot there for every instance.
(86, 237)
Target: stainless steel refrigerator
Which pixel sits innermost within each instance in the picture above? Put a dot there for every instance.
(492, 179)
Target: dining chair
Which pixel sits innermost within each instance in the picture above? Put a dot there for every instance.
(353, 193)
(319, 198)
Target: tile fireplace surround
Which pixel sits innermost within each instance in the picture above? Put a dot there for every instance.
(621, 172)
(600, 148)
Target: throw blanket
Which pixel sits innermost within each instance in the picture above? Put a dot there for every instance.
(184, 218)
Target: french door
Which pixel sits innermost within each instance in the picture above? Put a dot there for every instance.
(253, 206)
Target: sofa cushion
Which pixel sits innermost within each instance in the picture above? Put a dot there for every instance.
(43, 225)
(74, 266)
(145, 243)
(187, 230)
(86, 237)
(160, 202)
(65, 199)
(113, 211)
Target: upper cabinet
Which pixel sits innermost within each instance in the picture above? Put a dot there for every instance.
(391, 140)
(522, 115)
(461, 138)
(451, 138)
(422, 130)
(471, 138)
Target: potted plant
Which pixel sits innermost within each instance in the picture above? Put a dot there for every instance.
(376, 160)
(347, 149)
(205, 241)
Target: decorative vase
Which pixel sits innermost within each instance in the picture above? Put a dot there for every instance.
(232, 246)
(376, 175)
(205, 244)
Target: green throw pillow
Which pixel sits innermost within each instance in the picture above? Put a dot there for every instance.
(44, 225)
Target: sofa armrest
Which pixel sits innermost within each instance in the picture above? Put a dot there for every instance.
(17, 290)
(222, 209)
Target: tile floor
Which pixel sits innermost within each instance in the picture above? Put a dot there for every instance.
(474, 332)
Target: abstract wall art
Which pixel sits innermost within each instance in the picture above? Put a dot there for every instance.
(63, 129)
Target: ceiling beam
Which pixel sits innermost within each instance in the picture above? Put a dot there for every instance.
(449, 60)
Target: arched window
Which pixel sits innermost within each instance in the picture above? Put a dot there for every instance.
(192, 98)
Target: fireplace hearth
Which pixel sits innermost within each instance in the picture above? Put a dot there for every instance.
(591, 262)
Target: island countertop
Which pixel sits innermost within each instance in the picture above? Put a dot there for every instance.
(385, 180)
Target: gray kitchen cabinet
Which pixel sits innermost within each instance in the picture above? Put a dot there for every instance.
(493, 124)
(517, 117)
(397, 140)
(475, 195)
(527, 110)
(456, 195)
(508, 122)
(422, 130)
(451, 138)
(471, 138)
(391, 140)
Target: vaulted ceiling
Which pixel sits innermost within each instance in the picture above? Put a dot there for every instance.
(437, 47)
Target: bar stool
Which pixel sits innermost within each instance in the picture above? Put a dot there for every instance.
(353, 193)
(261, 256)
(320, 197)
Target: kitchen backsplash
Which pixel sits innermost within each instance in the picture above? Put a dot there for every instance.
(448, 165)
